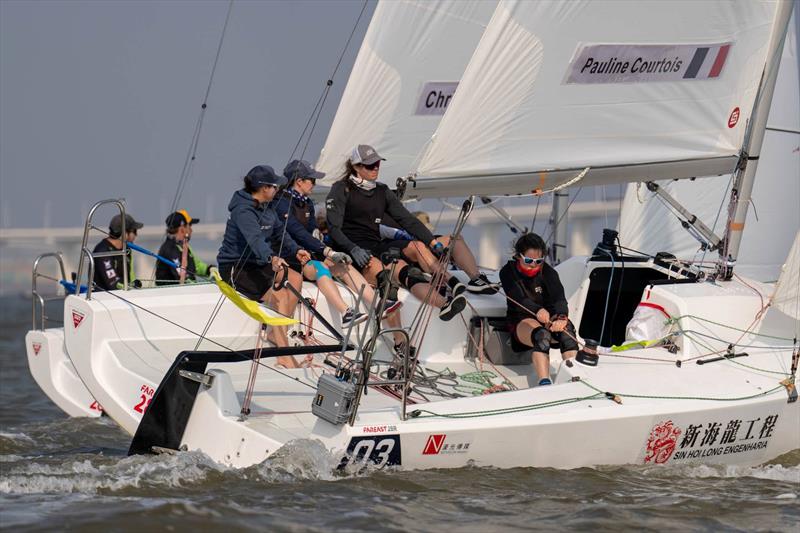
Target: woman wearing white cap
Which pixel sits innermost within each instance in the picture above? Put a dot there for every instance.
(356, 205)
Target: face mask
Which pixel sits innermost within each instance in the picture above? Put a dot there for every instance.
(528, 271)
(363, 184)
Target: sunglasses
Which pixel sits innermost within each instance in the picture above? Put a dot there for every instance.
(374, 166)
(532, 261)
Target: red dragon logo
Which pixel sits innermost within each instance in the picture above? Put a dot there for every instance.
(662, 442)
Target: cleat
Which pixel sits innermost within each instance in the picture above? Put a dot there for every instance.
(482, 285)
(452, 307)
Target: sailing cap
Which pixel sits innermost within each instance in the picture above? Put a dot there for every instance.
(115, 226)
(180, 218)
(364, 154)
(265, 175)
(302, 170)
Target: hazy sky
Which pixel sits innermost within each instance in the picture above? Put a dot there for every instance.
(99, 99)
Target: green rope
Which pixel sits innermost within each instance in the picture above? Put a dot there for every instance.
(701, 319)
(599, 394)
(504, 411)
(651, 397)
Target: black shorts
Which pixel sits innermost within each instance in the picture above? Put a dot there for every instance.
(384, 246)
(251, 280)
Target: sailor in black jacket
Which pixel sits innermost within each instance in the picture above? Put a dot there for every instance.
(356, 205)
(536, 306)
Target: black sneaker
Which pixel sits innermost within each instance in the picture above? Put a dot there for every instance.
(452, 307)
(351, 317)
(391, 307)
(456, 286)
(482, 285)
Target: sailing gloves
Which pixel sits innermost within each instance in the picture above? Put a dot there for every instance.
(336, 257)
(360, 256)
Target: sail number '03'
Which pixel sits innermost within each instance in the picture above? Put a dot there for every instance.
(380, 451)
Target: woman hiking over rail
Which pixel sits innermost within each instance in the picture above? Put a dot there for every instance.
(356, 205)
(248, 258)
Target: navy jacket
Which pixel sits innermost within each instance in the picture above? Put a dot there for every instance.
(301, 220)
(253, 233)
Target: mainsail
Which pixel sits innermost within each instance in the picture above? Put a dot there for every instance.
(647, 224)
(406, 72)
(630, 89)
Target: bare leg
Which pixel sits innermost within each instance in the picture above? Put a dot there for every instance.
(327, 287)
(285, 302)
(540, 360)
(462, 256)
(418, 253)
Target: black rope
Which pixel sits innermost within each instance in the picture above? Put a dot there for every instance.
(317, 111)
(191, 156)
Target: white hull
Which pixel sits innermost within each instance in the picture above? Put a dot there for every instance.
(53, 371)
(123, 352)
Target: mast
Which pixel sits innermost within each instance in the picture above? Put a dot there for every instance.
(748, 162)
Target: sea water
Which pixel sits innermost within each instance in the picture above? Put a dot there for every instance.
(58, 473)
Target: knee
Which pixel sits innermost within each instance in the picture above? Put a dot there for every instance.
(540, 340)
(410, 276)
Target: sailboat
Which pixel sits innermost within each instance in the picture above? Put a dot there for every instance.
(544, 101)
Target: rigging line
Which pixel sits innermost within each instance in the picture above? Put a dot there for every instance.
(165, 319)
(192, 155)
(328, 84)
(550, 234)
(535, 213)
(719, 212)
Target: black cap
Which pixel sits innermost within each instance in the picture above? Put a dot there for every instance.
(265, 175)
(302, 170)
(115, 226)
(180, 218)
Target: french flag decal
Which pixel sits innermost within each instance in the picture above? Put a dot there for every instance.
(707, 62)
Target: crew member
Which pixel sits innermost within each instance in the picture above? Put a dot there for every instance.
(356, 205)
(536, 306)
(176, 248)
(296, 208)
(108, 270)
(248, 258)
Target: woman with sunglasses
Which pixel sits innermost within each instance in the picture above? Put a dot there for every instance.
(356, 205)
(536, 306)
(296, 207)
(248, 258)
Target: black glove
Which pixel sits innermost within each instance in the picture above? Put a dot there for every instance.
(360, 256)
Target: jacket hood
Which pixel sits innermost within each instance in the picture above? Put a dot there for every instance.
(242, 198)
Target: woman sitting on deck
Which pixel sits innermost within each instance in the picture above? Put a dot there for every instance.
(297, 209)
(355, 207)
(537, 309)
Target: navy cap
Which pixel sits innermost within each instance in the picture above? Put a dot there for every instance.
(265, 175)
(302, 170)
(115, 226)
(180, 218)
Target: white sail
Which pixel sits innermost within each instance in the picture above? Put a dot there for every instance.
(647, 225)
(787, 290)
(409, 64)
(629, 89)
